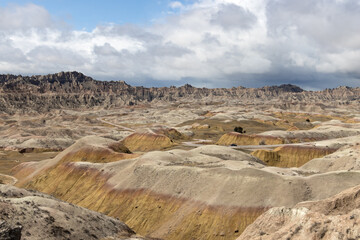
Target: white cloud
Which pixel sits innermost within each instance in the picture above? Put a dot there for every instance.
(175, 4)
(220, 42)
(16, 17)
(345, 62)
(233, 16)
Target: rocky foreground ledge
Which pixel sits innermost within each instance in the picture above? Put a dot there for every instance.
(32, 215)
(337, 217)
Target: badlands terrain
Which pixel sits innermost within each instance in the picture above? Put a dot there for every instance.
(88, 159)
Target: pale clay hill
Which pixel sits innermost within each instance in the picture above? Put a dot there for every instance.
(337, 217)
(182, 194)
(59, 129)
(161, 160)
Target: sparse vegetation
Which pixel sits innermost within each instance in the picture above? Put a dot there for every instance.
(262, 142)
(239, 129)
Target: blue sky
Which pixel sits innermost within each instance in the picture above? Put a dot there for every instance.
(207, 43)
(87, 14)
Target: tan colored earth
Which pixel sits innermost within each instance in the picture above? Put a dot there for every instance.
(33, 215)
(337, 217)
(168, 163)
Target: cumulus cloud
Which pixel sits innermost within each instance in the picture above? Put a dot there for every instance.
(212, 43)
(233, 16)
(8, 53)
(175, 4)
(15, 17)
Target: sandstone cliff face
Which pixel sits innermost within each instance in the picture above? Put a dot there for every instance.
(74, 90)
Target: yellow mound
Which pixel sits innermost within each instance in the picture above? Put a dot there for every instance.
(147, 142)
(207, 193)
(293, 128)
(243, 139)
(291, 156)
(119, 147)
(171, 133)
(96, 155)
(151, 214)
(89, 149)
(199, 126)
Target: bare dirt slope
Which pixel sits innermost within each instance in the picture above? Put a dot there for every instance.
(346, 159)
(337, 217)
(147, 155)
(164, 193)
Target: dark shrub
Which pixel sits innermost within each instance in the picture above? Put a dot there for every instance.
(239, 129)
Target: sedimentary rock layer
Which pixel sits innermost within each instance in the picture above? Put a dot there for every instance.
(74, 90)
(210, 192)
(291, 155)
(147, 141)
(243, 139)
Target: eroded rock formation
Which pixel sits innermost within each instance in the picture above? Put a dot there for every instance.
(291, 155)
(209, 192)
(75, 91)
(337, 217)
(33, 215)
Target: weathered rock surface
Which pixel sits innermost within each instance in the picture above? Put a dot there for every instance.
(152, 139)
(291, 155)
(74, 90)
(337, 217)
(244, 139)
(346, 159)
(210, 192)
(32, 215)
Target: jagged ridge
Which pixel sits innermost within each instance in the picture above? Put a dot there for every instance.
(74, 90)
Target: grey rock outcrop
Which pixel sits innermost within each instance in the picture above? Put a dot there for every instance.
(73, 90)
(31, 215)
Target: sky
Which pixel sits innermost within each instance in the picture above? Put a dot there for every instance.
(206, 43)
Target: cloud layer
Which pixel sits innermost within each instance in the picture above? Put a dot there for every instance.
(213, 43)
